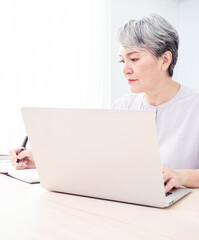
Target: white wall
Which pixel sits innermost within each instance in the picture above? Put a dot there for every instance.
(189, 43)
(53, 53)
(122, 12)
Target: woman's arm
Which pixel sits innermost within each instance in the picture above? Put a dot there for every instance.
(177, 178)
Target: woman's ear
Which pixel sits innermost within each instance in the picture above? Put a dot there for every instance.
(166, 60)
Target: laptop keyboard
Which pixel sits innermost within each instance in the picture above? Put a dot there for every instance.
(168, 193)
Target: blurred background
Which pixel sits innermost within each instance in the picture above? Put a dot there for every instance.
(61, 53)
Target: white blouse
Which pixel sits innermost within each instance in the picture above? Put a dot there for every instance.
(177, 125)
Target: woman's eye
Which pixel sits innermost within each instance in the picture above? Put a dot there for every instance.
(121, 61)
(134, 59)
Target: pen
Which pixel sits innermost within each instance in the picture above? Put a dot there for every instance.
(22, 147)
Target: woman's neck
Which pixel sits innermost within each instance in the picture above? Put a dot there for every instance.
(162, 93)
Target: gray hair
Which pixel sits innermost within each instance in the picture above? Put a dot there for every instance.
(152, 32)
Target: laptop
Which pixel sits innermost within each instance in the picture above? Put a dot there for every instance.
(107, 154)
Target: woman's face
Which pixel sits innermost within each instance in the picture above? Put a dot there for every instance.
(141, 68)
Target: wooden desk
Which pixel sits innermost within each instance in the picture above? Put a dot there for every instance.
(29, 212)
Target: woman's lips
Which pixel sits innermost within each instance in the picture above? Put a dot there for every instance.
(132, 80)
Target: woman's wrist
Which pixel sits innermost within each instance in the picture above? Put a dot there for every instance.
(189, 177)
(183, 177)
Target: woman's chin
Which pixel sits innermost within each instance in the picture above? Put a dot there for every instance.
(134, 89)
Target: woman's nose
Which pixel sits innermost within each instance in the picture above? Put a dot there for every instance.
(127, 70)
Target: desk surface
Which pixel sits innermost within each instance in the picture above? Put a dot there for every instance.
(31, 212)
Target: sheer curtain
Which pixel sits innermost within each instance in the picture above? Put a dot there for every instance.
(53, 53)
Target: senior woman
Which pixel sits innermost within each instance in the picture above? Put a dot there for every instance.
(148, 52)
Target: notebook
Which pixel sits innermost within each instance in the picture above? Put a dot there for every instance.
(107, 154)
(5, 166)
(26, 175)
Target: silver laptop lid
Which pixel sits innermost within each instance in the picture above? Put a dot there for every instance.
(108, 154)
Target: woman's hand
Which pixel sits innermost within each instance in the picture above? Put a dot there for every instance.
(173, 178)
(26, 158)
